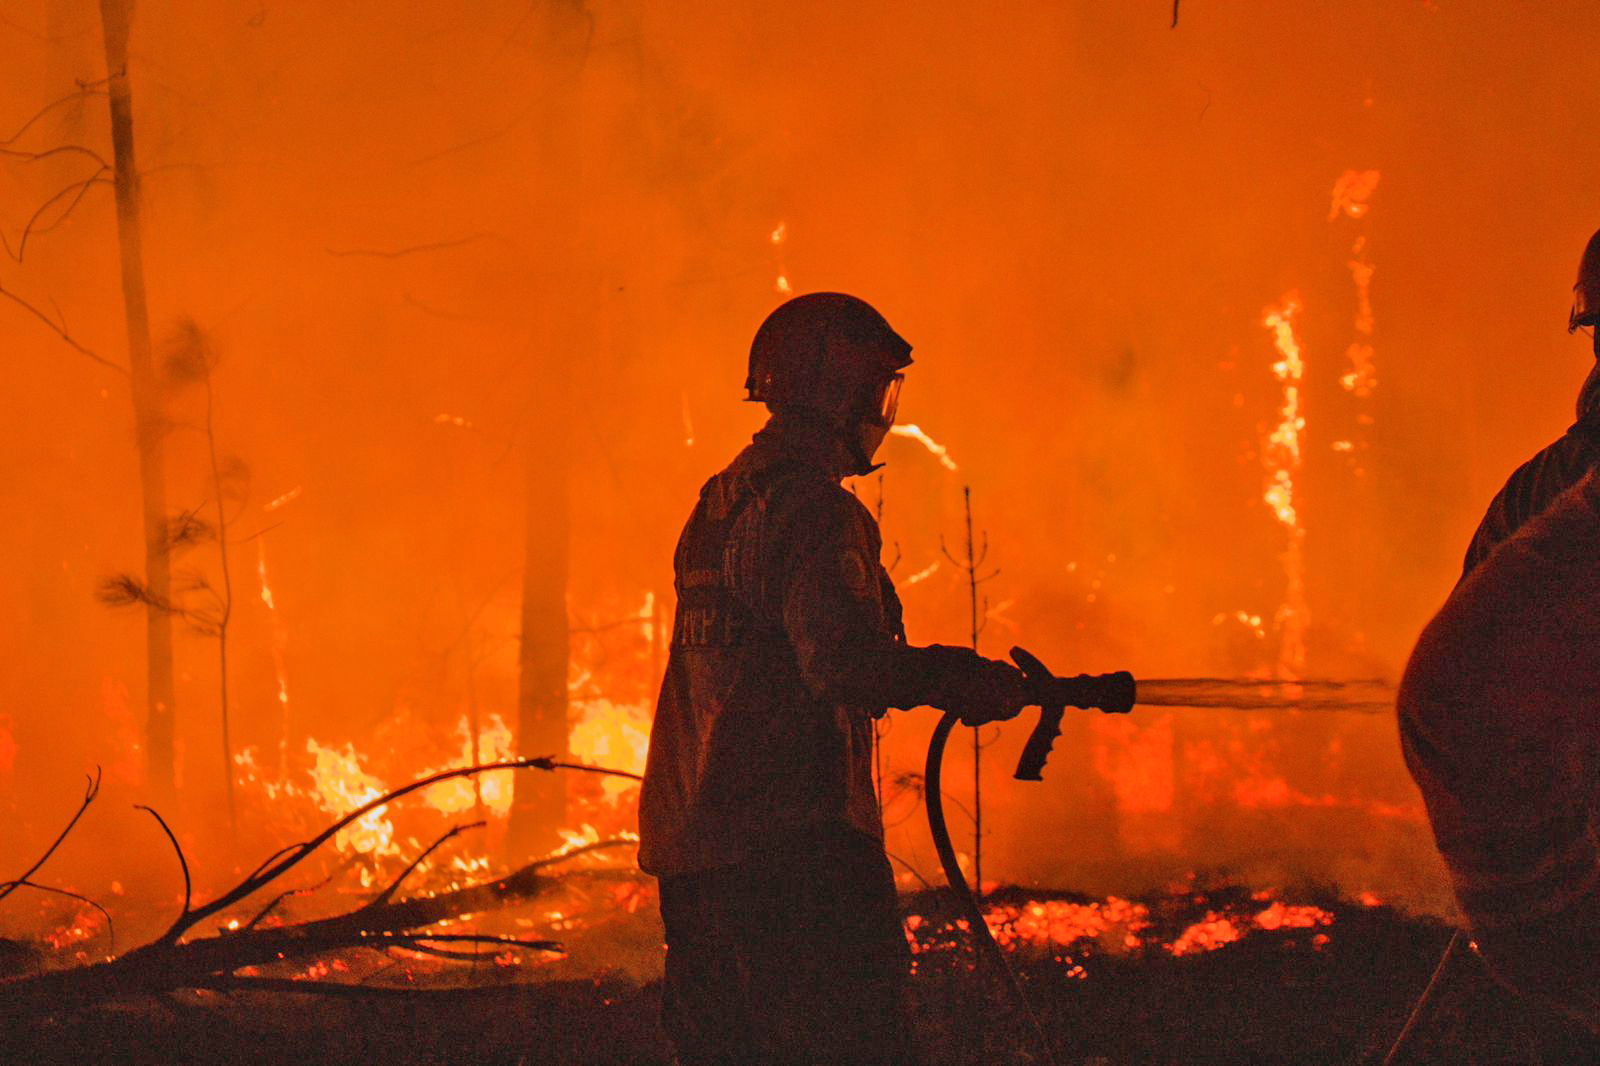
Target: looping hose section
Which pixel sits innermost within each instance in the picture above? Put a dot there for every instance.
(987, 947)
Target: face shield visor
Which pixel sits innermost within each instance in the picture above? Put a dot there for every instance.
(1584, 313)
(888, 405)
(872, 424)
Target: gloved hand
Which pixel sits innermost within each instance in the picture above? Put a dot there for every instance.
(978, 690)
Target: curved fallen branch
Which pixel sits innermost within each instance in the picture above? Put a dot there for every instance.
(170, 963)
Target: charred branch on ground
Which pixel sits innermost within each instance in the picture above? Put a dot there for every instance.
(170, 963)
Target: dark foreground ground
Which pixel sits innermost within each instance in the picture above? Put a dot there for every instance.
(1335, 992)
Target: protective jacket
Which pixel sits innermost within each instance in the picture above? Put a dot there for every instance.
(1537, 482)
(1499, 725)
(787, 641)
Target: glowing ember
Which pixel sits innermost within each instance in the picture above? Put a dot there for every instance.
(915, 432)
(1281, 915)
(1213, 932)
(1118, 927)
(1283, 459)
(1048, 924)
(922, 575)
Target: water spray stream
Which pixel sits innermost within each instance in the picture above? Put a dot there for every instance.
(1368, 696)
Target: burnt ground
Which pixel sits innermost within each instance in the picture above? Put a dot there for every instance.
(1331, 993)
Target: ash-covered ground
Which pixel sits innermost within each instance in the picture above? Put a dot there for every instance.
(1207, 975)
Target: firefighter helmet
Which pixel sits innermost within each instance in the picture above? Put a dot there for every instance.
(829, 353)
(1586, 292)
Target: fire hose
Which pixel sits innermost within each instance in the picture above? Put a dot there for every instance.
(1111, 693)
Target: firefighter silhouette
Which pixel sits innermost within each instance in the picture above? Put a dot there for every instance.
(757, 814)
(1500, 715)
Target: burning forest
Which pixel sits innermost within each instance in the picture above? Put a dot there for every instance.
(368, 699)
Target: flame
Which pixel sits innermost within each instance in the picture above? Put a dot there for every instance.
(279, 638)
(1252, 622)
(495, 744)
(288, 497)
(615, 735)
(778, 236)
(1351, 192)
(1362, 378)
(915, 432)
(280, 641)
(1283, 459)
(340, 783)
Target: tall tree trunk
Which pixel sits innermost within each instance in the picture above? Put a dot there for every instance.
(150, 424)
(539, 803)
(539, 809)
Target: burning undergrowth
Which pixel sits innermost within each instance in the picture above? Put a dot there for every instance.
(1204, 972)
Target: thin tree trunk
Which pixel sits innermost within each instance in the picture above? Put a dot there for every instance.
(149, 422)
(226, 613)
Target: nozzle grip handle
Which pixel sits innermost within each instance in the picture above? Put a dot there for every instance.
(1113, 693)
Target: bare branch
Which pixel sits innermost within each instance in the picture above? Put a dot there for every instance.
(89, 793)
(420, 944)
(912, 870)
(89, 88)
(61, 331)
(271, 872)
(188, 885)
(270, 859)
(111, 933)
(410, 249)
(230, 983)
(272, 905)
(387, 894)
(60, 149)
(80, 187)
